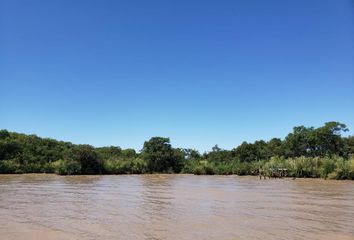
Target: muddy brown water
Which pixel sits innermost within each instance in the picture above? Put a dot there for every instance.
(36, 207)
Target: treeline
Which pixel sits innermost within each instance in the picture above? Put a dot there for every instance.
(305, 152)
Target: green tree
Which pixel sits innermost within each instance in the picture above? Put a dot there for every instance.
(275, 147)
(129, 153)
(108, 152)
(86, 156)
(219, 155)
(245, 152)
(4, 134)
(327, 140)
(191, 154)
(349, 145)
(297, 143)
(161, 157)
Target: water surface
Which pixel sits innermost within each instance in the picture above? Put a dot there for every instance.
(36, 207)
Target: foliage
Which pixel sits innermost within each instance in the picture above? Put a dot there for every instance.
(67, 167)
(122, 166)
(10, 166)
(88, 159)
(161, 157)
(305, 152)
(344, 169)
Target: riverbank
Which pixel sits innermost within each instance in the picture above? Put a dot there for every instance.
(162, 175)
(302, 167)
(306, 152)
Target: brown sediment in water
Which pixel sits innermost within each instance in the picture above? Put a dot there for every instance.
(42, 206)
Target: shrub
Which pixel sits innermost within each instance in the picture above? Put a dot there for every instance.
(32, 168)
(204, 168)
(48, 168)
(240, 168)
(328, 165)
(10, 166)
(304, 167)
(343, 169)
(138, 165)
(223, 169)
(124, 166)
(67, 167)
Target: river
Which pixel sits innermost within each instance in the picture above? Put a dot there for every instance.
(157, 207)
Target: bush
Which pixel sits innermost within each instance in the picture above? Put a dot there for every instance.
(203, 168)
(32, 168)
(48, 168)
(10, 166)
(67, 167)
(344, 169)
(138, 165)
(189, 166)
(223, 169)
(240, 168)
(123, 166)
(328, 165)
(304, 167)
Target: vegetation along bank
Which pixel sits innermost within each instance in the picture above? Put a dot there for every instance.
(305, 152)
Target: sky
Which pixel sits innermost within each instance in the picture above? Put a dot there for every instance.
(199, 72)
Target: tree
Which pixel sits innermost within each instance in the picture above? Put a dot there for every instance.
(129, 153)
(297, 143)
(245, 152)
(9, 149)
(4, 134)
(275, 147)
(161, 157)
(219, 155)
(191, 154)
(261, 152)
(349, 145)
(108, 152)
(86, 156)
(327, 139)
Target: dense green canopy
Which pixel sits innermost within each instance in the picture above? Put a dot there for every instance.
(308, 151)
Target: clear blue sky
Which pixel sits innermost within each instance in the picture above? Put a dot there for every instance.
(199, 72)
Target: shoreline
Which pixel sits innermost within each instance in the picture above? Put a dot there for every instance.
(173, 174)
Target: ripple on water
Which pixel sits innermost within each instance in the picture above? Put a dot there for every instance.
(39, 206)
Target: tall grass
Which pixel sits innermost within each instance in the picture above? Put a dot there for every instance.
(123, 166)
(328, 167)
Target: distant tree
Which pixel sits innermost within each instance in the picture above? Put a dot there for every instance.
(129, 153)
(191, 154)
(327, 140)
(4, 134)
(161, 157)
(216, 148)
(261, 151)
(219, 155)
(245, 152)
(9, 149)
(349, 145)
(298, 143)
(275, 147)
(86, 156)
(108, 152)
